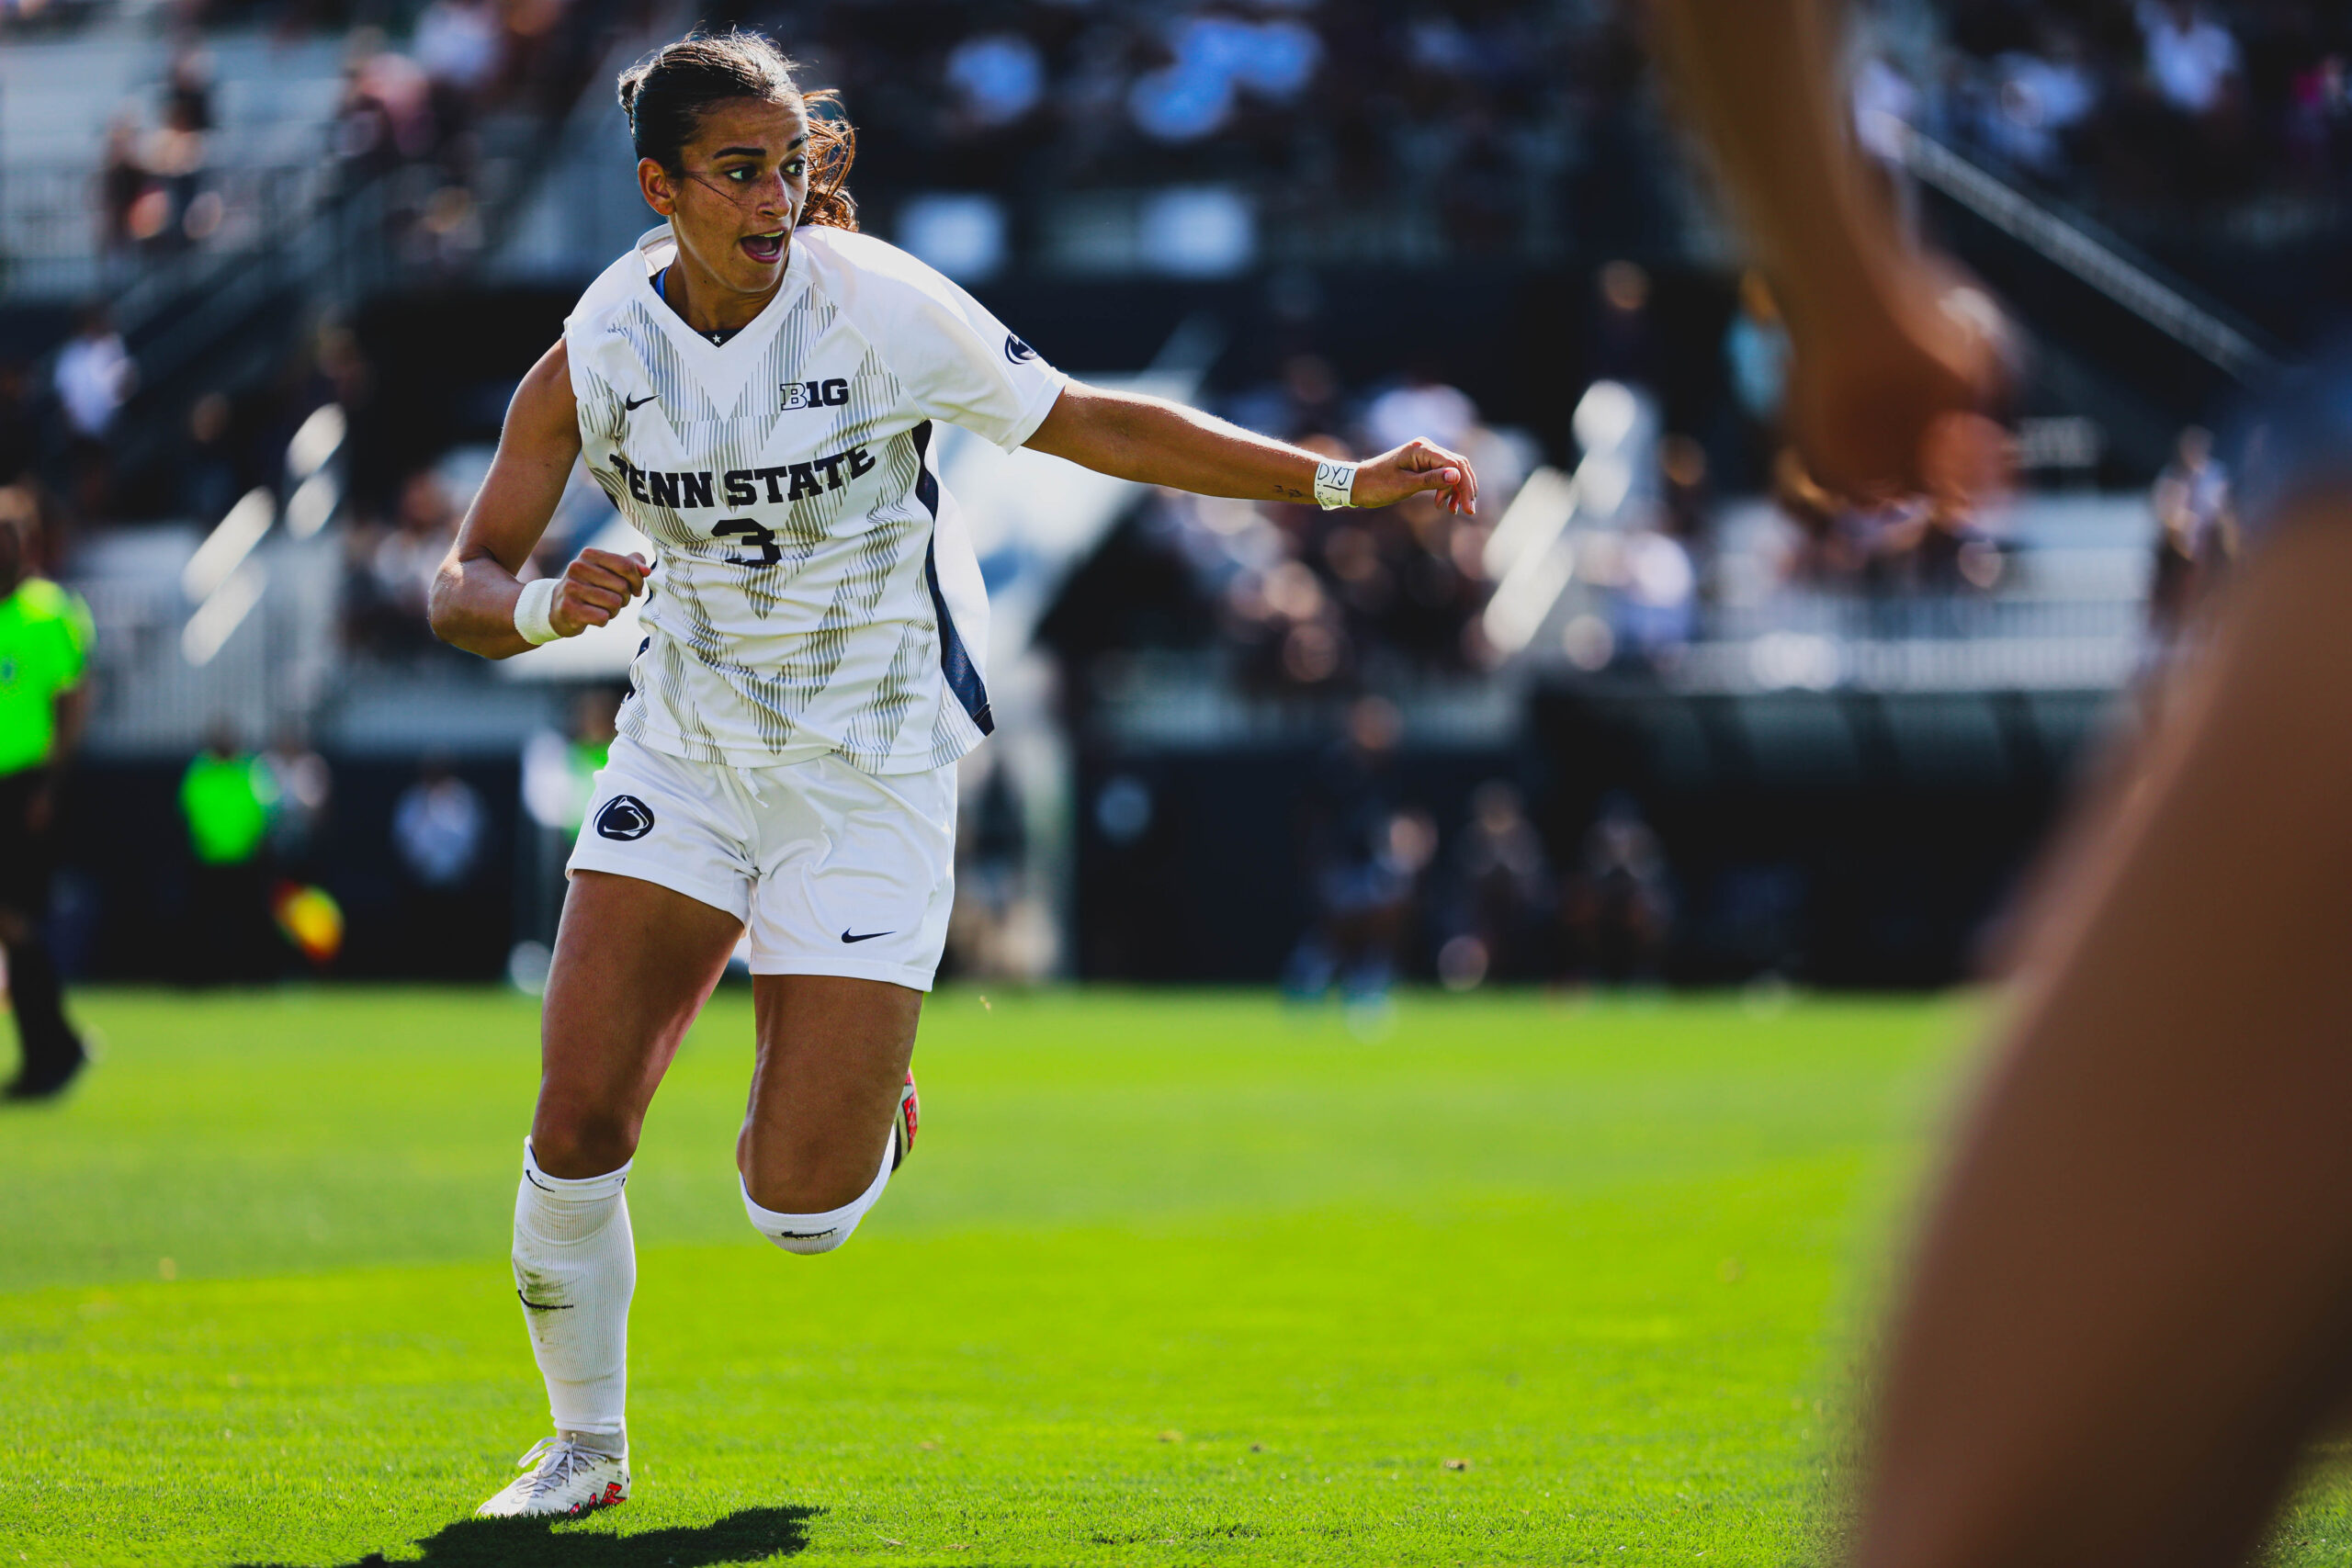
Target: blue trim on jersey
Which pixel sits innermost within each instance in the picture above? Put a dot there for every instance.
(954, 663)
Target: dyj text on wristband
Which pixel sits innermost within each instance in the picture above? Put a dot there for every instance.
(534, 612)
(1335, 485)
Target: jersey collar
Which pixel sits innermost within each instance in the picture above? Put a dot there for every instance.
(723, 369)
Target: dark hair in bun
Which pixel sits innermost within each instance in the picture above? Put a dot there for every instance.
(667, 94)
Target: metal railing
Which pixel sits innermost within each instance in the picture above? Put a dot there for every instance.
(54, 240)
(2072, 242)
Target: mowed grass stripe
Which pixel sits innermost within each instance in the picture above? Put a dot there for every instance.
(269, 1133)
(1605, 1253)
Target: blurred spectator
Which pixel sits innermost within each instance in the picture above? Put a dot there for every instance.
(225, 799)
(1216, 58)
(123, 186)
(559, 770)
(45, 637)
(460, 44)
(996, 77)
(1886, 103)
(1000, 927)
(393, 569)
(439, 828)
(1756, 360)
(388, 105)
(1502, 898)
(557, 780)
(1302, 401)
(300, 790)
(1621, 347)
(1423, 406)
(2196, 534)
(2192, 59)
(1619, 910)
(1365, 850)
(1656, 596)
(208, 473)
(176, 153)
(95, 375)
(188, 91)
(20, 442)
(2319, 121)
(2040, 98)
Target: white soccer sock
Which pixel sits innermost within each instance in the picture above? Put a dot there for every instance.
(575, 1268)
(810, 1234)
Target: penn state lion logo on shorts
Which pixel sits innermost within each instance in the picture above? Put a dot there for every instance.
(624, 818)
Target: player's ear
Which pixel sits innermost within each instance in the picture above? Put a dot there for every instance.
(654, 182)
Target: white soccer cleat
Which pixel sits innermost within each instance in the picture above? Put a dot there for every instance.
(562, 1480)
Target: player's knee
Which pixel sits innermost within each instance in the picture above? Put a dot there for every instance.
(583, 1143)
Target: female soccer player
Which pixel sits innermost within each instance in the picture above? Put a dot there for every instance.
(756, 386)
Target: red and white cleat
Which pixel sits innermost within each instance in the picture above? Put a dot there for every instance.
(563, 1480)
(902, 1131)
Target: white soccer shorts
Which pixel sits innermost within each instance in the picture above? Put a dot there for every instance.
(832, 869)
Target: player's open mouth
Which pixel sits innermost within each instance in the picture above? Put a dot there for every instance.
(765, 248)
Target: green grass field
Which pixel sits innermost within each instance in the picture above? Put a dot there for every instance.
(1171, 1279)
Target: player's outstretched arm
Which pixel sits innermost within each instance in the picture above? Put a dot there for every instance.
(1153, 440)
(474, 593)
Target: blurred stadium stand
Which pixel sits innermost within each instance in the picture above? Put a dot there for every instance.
(1655, 715)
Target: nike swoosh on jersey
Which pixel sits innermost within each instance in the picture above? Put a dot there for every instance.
(639, 402)
(864, 936)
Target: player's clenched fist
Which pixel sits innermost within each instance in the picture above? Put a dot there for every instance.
(593, 589)
(1413, 468)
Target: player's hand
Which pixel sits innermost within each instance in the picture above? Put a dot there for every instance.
(1882, 410)
(1413, 468)
(596, 586)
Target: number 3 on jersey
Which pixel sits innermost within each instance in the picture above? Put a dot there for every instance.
(759, 537)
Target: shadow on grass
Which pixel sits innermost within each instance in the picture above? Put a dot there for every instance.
(746, 1535)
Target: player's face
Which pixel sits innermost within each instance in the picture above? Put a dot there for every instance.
(733, 203)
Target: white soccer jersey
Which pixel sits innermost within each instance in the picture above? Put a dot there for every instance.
(816, 592)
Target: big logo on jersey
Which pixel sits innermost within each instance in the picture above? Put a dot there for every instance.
(624, 818)
(830, 393)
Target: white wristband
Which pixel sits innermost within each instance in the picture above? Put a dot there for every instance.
(1335, 485)
(534, 611)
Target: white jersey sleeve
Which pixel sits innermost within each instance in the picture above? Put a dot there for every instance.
(958, 362)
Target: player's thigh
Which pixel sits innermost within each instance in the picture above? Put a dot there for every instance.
(634, 963)
(833, 1052)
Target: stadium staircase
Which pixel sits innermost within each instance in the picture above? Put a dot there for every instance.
(2116, 336)
(299, 238)
(232, 616)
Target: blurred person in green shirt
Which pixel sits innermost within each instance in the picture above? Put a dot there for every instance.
(225, 797)
(45, 637)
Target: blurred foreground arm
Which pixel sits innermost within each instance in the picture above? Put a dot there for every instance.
(2133, 1300)
(1894, 357)
(473, 597)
